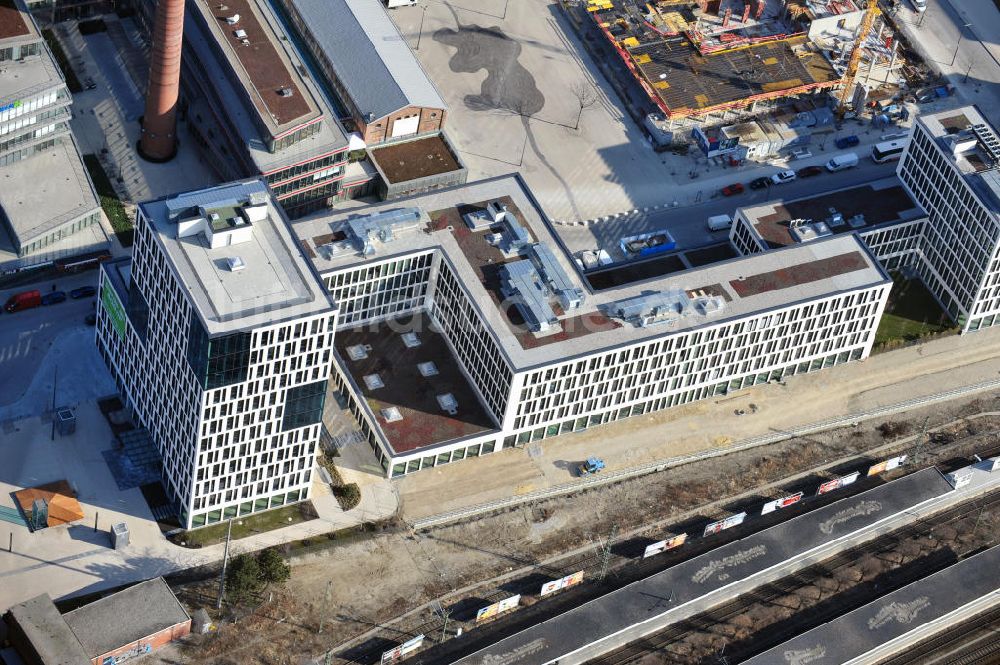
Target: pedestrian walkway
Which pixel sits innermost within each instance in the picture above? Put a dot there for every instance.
(856, 388)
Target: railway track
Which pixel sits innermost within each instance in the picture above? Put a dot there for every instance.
(973, 642)
(806, 577)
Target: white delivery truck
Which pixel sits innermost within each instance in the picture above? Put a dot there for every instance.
(848, 160)
(719, 222)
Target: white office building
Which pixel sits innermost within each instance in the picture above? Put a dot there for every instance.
(220, 337)
(942, 223)
(950, 168)
(466, 328)
(48, 207)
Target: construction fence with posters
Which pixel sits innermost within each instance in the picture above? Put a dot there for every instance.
(404, 649)
(664, 545)
(493, 610)
(722, 525)
(837, 483)
(562, 583)
(783, 502)
(887, 465)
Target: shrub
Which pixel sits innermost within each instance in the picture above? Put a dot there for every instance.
(348, 496)
(273, 567)
(243, 579)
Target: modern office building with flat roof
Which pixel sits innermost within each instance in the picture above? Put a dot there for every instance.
(219, 334)
(249, 101)
(45, 192)
(940, 220)
(951, 169)
(465, 327)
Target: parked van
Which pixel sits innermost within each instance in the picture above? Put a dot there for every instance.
(25, 300)
(848, 160)
(719, 222)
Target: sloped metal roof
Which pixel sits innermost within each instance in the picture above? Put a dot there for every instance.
(368, 54)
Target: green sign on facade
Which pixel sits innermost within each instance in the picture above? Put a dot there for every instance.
(113, 306)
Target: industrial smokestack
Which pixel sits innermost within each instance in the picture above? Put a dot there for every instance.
(159, 124)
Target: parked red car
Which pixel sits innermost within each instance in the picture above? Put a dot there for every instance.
(809, 171)
(733, 189)
(25, 300)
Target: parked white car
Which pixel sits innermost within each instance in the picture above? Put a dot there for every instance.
(782, 177)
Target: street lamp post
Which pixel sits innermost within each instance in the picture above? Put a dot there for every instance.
(961, 34)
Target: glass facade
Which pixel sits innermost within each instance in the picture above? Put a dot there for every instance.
(218, 362)
(138, 310)
(303, 405)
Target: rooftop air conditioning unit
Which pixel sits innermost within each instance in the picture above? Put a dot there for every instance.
(285, 92)
(233, 20)
(241, 34)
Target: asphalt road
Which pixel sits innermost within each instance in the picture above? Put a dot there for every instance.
(687, 224)
(25, 337)
(959, 39)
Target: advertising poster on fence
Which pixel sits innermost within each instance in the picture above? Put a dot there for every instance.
(392, 655)
(849, 478)
(487, 612)
(876, 469)
(664, 545)
(731, 521)
(508, 603)
(677, 541)
(783, 502)
(837, 483)
(491, 611)
(828, 486)
(562, 583)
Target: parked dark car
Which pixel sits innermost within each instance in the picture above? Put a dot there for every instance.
(760, 183)
(847, 142)
(733, 189)
(809, 171)
(53, 298)
(82, 292)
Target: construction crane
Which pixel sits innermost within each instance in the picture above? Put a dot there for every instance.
(871, 12)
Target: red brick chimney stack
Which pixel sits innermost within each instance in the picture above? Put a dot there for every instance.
(159, 124)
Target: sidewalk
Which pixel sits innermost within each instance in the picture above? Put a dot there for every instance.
(883, 379)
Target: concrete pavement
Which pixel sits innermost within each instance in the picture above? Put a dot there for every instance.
(881, 380)
(959, 40)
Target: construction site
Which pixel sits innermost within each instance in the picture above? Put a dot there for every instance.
(711, 62)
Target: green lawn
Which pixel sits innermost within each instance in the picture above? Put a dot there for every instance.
(912, 313)
(72, 82)
(248, 525)
(112, 205)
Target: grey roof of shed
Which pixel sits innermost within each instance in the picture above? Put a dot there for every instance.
(369, 55)
(48, 633)
(125, 617)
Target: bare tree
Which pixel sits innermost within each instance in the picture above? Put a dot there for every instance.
(585, 98)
